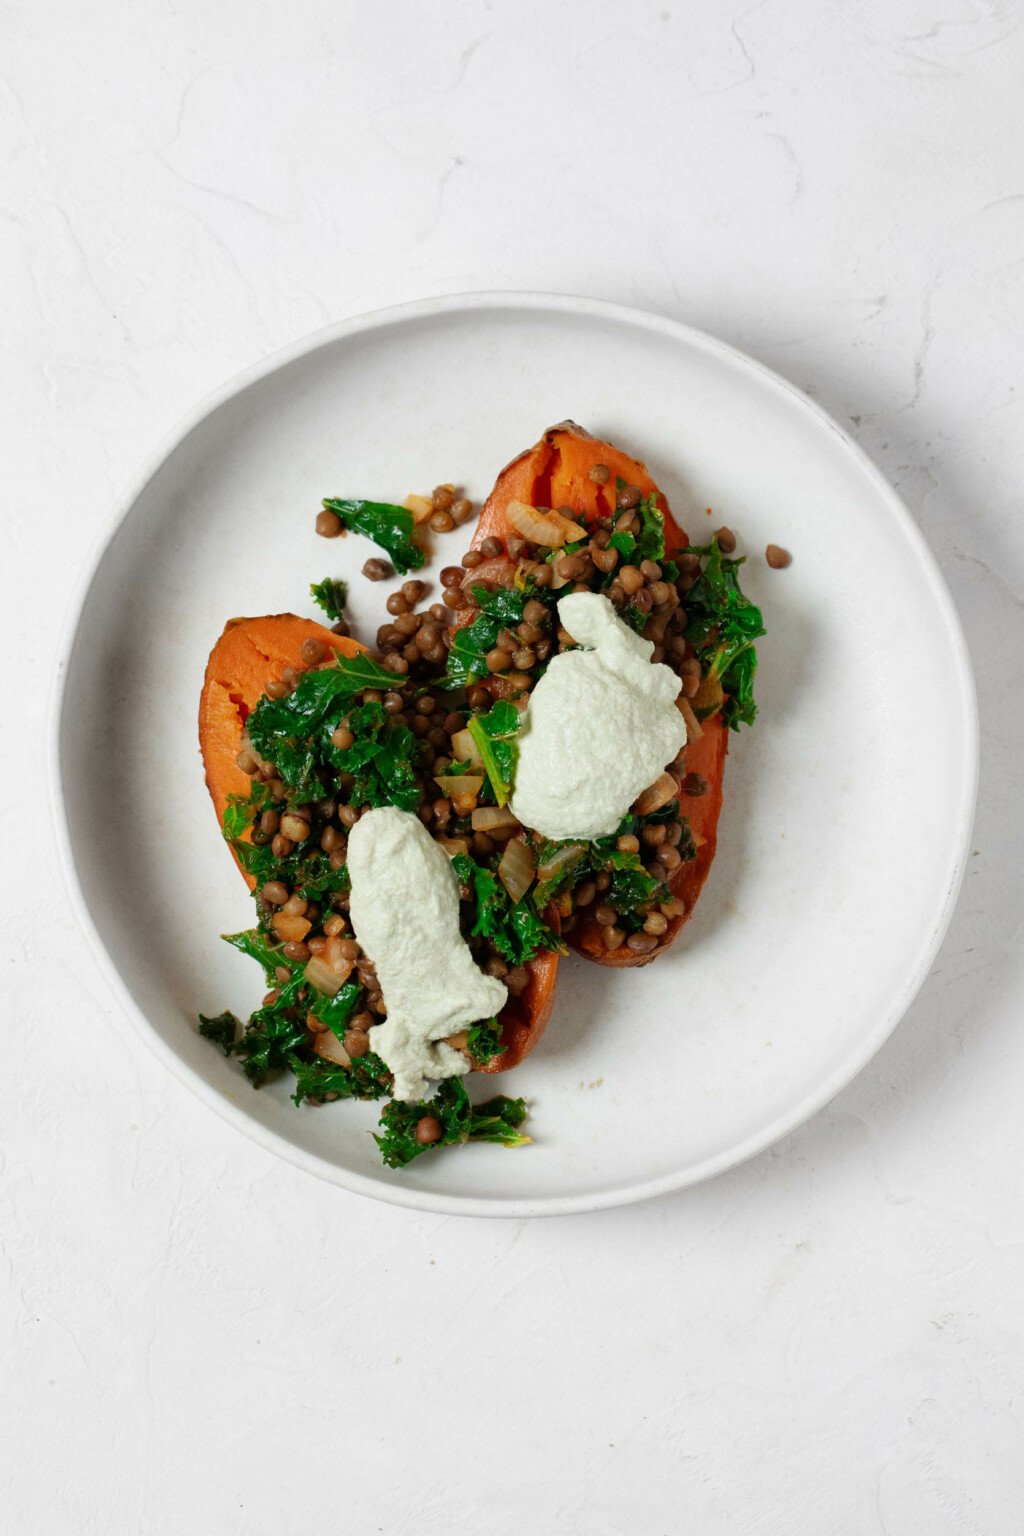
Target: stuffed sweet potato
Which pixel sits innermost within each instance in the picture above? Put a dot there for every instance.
(252, 653)
(572, 471)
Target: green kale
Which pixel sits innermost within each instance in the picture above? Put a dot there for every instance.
(502, 609)
(566, 872)
(651, 538)
(514, 928)
(635, 617)
(336, 1011)
(485, 1042)
(382, 759)
(276, 1036)
(331, 595)
(258, 947)
(294, 733)
(315, 1078)
(498, 1120)
(387, 525)
(631, 885)
(271, 1036)
(493, 734)
(722, 627)
(649, 542)
(242, 810)
(311, 874)
(221, 1030)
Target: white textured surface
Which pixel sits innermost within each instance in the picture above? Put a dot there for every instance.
(198, 1337)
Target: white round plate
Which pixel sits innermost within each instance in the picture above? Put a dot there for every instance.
(847, 808)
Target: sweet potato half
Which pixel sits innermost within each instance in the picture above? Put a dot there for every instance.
(556, 473)
(254, 652)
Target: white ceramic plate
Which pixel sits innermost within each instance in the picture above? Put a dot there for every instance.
(847, 809)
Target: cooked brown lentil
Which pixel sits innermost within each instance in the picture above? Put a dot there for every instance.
(328, 524)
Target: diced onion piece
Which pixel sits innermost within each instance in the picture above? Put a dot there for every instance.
(461, 789)
(492, 818)
(466, 749)
(319, 975)
(697, 840)
(694, 729)
(500, 571)
(517, 868)
(451, 783)
(453, 845)
(421, 507)
(330, 1048)
(664, 789)
(289, 927)
(548, 528)
(557, 860)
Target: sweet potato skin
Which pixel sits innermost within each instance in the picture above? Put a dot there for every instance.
(556, 473)
(254, 652)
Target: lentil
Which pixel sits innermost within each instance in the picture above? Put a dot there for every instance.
(328, 524)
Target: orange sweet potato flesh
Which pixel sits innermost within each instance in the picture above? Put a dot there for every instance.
(556, 473)
(254, 652)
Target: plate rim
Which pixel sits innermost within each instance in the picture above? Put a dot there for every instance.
(479, 1205)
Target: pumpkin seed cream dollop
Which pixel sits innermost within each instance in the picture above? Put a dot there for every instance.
(404, 907)
(600, 726)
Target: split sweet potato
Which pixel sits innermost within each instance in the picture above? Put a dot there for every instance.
(254, 652)
(556, 473)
